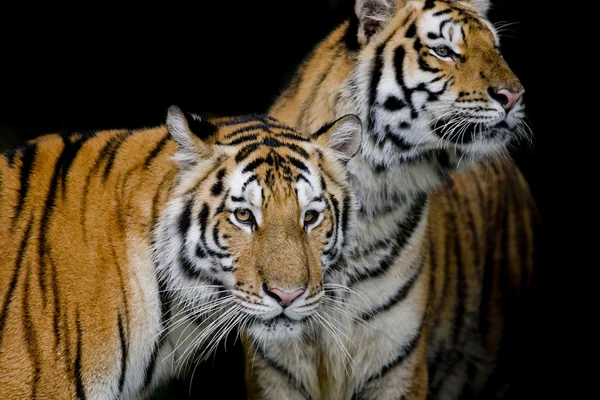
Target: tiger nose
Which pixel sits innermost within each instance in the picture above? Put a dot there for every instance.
(284, 299)
(505, 97)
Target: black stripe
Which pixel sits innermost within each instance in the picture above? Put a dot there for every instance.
(260, 126)
(185, 219)
(215, 235)
(203, 217)
(345, 214)
(241, 139)
(27, 164)
(56, 295)
(254, 165)
(461, 289)
(400, 294)
(156, 151)
(350, 38)
(399, 55)
(323, 129)
(281, 369)
(67, 158)
(104, 152)
(301, 177)
(125, 301)
(426, 67)
(274, 143)
(411, 31)
(165, 300)
(113, 152)
(123, 340)
(63, 162)
(405, 351)
(397, 141)
(252, 178)
(443, 12)
(191, 272)
(78, 373)
(217, 187)
(292, 136)
(376, 73)
(30, 335)
(444, 23)
(335, 221)
(11, 154)
(404, 232)
(249, 128)
(297, 163)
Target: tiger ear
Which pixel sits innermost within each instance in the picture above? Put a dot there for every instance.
(373, 15)
(342, 135)
(191, 133)
(481, 6)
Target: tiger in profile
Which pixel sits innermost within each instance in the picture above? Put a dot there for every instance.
(444, 260)
(126, 255)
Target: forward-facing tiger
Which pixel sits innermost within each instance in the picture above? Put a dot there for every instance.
(435, 285)
(123, 252)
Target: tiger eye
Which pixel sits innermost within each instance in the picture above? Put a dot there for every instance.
(442, 51)
(243, 215)
(310, 216)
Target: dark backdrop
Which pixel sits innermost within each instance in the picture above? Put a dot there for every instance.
(91, 67)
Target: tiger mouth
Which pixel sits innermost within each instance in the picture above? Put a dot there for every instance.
(465, 133)
(279, 321)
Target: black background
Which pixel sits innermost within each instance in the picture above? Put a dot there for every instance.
(88, 67)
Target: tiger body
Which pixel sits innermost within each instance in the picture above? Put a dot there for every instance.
(444, 257)
(123, 253)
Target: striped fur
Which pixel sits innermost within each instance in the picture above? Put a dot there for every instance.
(444, 257)
(122, 254)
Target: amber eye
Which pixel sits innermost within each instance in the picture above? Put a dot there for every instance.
(244, 216)
(310, 217)
(443, 51)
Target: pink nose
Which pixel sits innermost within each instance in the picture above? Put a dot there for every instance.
(284, 299)
(505, 97)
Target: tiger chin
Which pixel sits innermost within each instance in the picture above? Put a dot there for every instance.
(127, 256)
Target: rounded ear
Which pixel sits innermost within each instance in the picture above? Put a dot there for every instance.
(343, 136)
(481, 6)
(373, 15)
(191, 136)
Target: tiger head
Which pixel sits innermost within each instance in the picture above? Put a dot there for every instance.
(431, 79)
(259, 216)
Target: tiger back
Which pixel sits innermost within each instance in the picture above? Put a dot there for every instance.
(127, 256)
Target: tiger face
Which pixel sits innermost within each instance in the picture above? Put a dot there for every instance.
(259, 217)
(431, 77)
